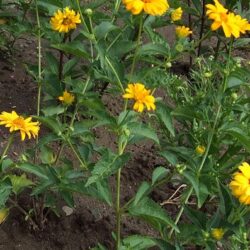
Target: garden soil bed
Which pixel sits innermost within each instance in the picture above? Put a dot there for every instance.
(91, 221)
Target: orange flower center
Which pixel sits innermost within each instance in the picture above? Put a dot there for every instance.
(223, 17)
(19, 122)
(66, 21)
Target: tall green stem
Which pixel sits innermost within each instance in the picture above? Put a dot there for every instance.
(7, 148)
(137, 47)
(39, 60)
(121, 148)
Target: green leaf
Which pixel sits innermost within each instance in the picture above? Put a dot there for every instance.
(164, 115)
(34, 169)
(75, 48)
(170, 157)
(151, 49)
(53, 110)
(19, 182)
(102, 30)
(159, 174)
(69, 65)
(200, 188)
(99, 190)
(187, 113)
(142, 192)
(51, 123)
(137, 242)
(151, 212)
(239, 134)
(47, 155)
(6, 163)
(106, 166)
(144, 131)
(52, 63)
(5, 191)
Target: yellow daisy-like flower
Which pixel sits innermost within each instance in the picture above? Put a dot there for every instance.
(231, 24)
(182, 31)
(64, 21)
(176, 14)
(218, 233)
(141, 95)
(16, 122)
(240, 184)
(200, 150)
(67, 98)
(151, 7)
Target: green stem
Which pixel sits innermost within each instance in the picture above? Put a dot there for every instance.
(7, 148)
(228, 65)
(116, 9)
(87, 29)
(117, 210)
(115, 73)
(137, 47)
(77, 155)
(121, 148)
(39, 60)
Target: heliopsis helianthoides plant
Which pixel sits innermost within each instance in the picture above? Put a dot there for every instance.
(65, 20)
(142, 97)
(16, 122)
(240, 184)
(151, 7)
(184, 143)
(232, 24)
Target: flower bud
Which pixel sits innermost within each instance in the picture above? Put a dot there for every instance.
(208, 74)
(234, 96)
(168, 65)
(179, 47)
(88, 12)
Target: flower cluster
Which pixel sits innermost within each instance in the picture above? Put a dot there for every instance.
(240, 185)
(64, 21)
(141, 95)
(151, 7)
(232, 25)
(15, 122)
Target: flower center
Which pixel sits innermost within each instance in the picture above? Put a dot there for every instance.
(223, 17)
(19, 122)
(66, 21)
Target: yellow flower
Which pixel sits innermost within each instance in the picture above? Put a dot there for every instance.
(141, 95)
(176, 14)
(240, 184)
(200, 149)
(217, 233)
(231, 24)
(64, 21)
(67, 98)
(15, 122)
(151, 7)
(182, 31)
(4, 212)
